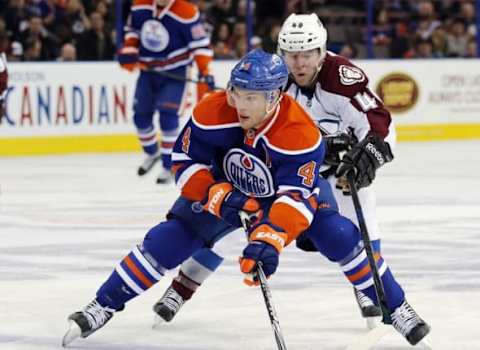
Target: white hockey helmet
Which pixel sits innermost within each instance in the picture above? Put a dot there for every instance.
(303, 33)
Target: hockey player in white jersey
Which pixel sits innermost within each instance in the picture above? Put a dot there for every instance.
(356, 124)
(359, 133)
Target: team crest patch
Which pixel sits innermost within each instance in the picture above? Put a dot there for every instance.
(154, 36)
(350, 75)
(248, 173)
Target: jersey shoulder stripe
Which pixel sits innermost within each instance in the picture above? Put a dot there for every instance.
(143, 3)
(340, 76)
(293, 131)
(183, 11)
(213, 112)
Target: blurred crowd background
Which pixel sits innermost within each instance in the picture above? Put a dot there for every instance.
(73, 30)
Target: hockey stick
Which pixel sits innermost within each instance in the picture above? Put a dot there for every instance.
(377, 281)
(373, 336)
(245, 218)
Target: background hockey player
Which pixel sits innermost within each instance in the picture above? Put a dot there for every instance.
(163, 36)
(354, 121)
(257, 141)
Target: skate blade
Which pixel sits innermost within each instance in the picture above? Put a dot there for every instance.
(426, 345)
(73, 333)
(373, 322)
(158, 322)
(372, 337)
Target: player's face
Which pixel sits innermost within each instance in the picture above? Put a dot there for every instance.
(303, 65)
(251, 106)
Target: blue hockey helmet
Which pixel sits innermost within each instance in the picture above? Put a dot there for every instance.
(259, 71)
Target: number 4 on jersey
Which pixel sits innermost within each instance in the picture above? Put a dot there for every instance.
(307, 172)
(186, 140)
(365, 101)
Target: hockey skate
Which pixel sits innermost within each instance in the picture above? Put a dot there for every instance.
(165, 176)
(148, 163)
(83, 323)
(168, 306)
(368, 309)
(407, 322)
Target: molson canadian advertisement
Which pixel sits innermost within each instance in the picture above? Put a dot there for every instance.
(87, 107)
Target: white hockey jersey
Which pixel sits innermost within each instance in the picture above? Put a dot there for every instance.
(341, 101)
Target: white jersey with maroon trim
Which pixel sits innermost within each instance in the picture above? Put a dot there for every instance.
(342, 101)
(339, 102)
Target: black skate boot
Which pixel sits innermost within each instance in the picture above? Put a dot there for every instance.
(167, 307)
(370, 312)
(407, 322)
(366, 305)
(148, 163)
(83, 323)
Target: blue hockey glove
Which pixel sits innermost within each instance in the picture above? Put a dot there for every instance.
(265, 244)
(225, 202)
(128, 58)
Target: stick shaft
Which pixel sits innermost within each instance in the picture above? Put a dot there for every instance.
(377, 281)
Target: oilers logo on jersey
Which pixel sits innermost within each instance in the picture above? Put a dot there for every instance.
(154, 36)
(248, 173)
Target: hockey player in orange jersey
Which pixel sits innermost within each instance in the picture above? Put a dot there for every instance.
(252, 150)
(163, 37)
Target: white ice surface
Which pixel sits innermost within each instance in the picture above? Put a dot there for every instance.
(66, 220)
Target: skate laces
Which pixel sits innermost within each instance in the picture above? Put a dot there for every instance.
(404, 318)
(363, 300)
(172, 300)
(96, 314)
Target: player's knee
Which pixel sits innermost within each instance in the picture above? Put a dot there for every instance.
(334, 235)
(169, 120)
(142, 120)
(170, 243)
(208, 259)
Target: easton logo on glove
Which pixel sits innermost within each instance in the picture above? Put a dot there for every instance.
(265, 233)
(225, 202)
(274, 238)
(213, 204)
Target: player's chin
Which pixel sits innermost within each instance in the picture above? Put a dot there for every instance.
(301, 79)
(244, 122)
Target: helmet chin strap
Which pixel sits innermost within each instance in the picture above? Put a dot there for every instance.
(274, 105)
(314, 77)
